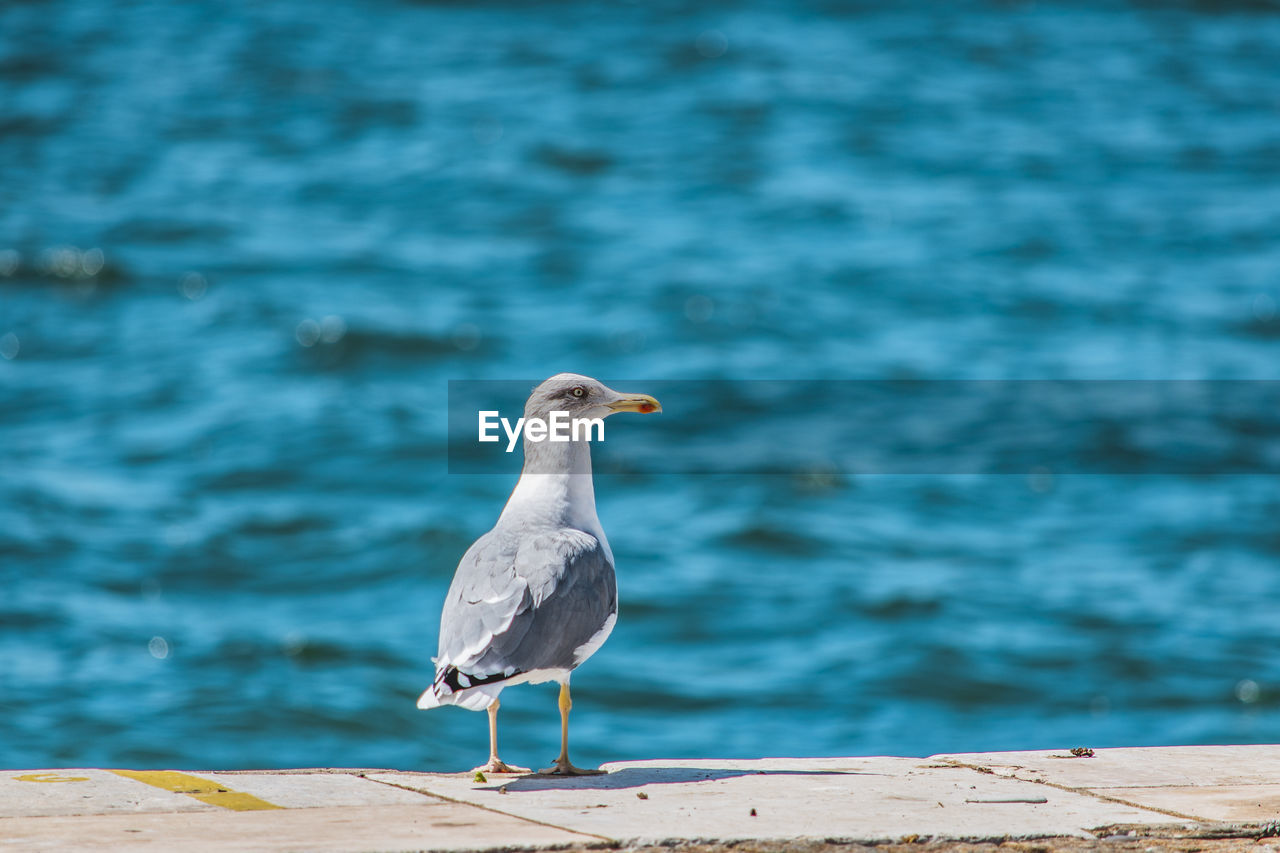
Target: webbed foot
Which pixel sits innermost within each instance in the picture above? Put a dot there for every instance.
(565, 768)
(497, 765)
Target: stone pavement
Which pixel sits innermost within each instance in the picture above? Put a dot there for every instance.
(1160, 792)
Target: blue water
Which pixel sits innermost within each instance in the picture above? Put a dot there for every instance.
(244, 247)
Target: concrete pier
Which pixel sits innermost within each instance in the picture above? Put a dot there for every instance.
(1185, 798)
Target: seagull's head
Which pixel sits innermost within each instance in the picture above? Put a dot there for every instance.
(584, 397)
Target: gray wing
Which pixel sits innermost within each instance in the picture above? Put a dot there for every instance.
(524, 602)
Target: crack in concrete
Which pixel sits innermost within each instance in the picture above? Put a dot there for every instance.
(604, 841)
(1083, 791)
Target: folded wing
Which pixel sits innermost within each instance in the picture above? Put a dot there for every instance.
(520, 605)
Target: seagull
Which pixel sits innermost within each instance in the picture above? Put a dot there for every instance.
(535, 596)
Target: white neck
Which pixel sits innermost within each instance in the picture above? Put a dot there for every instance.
(555, 488)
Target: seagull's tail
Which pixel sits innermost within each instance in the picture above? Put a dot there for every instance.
(454, 687)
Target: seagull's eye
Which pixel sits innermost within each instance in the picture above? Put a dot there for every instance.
(578, 391)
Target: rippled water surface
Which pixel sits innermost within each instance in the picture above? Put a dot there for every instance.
(245, 247)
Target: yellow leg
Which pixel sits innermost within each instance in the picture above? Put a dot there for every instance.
(496, 764)
(563, 767)
(566, 705)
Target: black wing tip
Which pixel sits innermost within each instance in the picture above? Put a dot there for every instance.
(457, 680)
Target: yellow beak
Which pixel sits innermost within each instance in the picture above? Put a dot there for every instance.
(642, 403)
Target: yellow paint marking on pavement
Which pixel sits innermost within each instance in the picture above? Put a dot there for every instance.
(199, 789)
(49, 777)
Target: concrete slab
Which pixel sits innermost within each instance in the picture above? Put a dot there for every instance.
(862, 799)
(86, 792)
(1135, 766)
(953, 797)
(314, 790)
(33, 793)
(1207, 783)
(1225, 803)
(428, 825)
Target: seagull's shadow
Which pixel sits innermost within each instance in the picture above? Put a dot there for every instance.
(634, 777)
